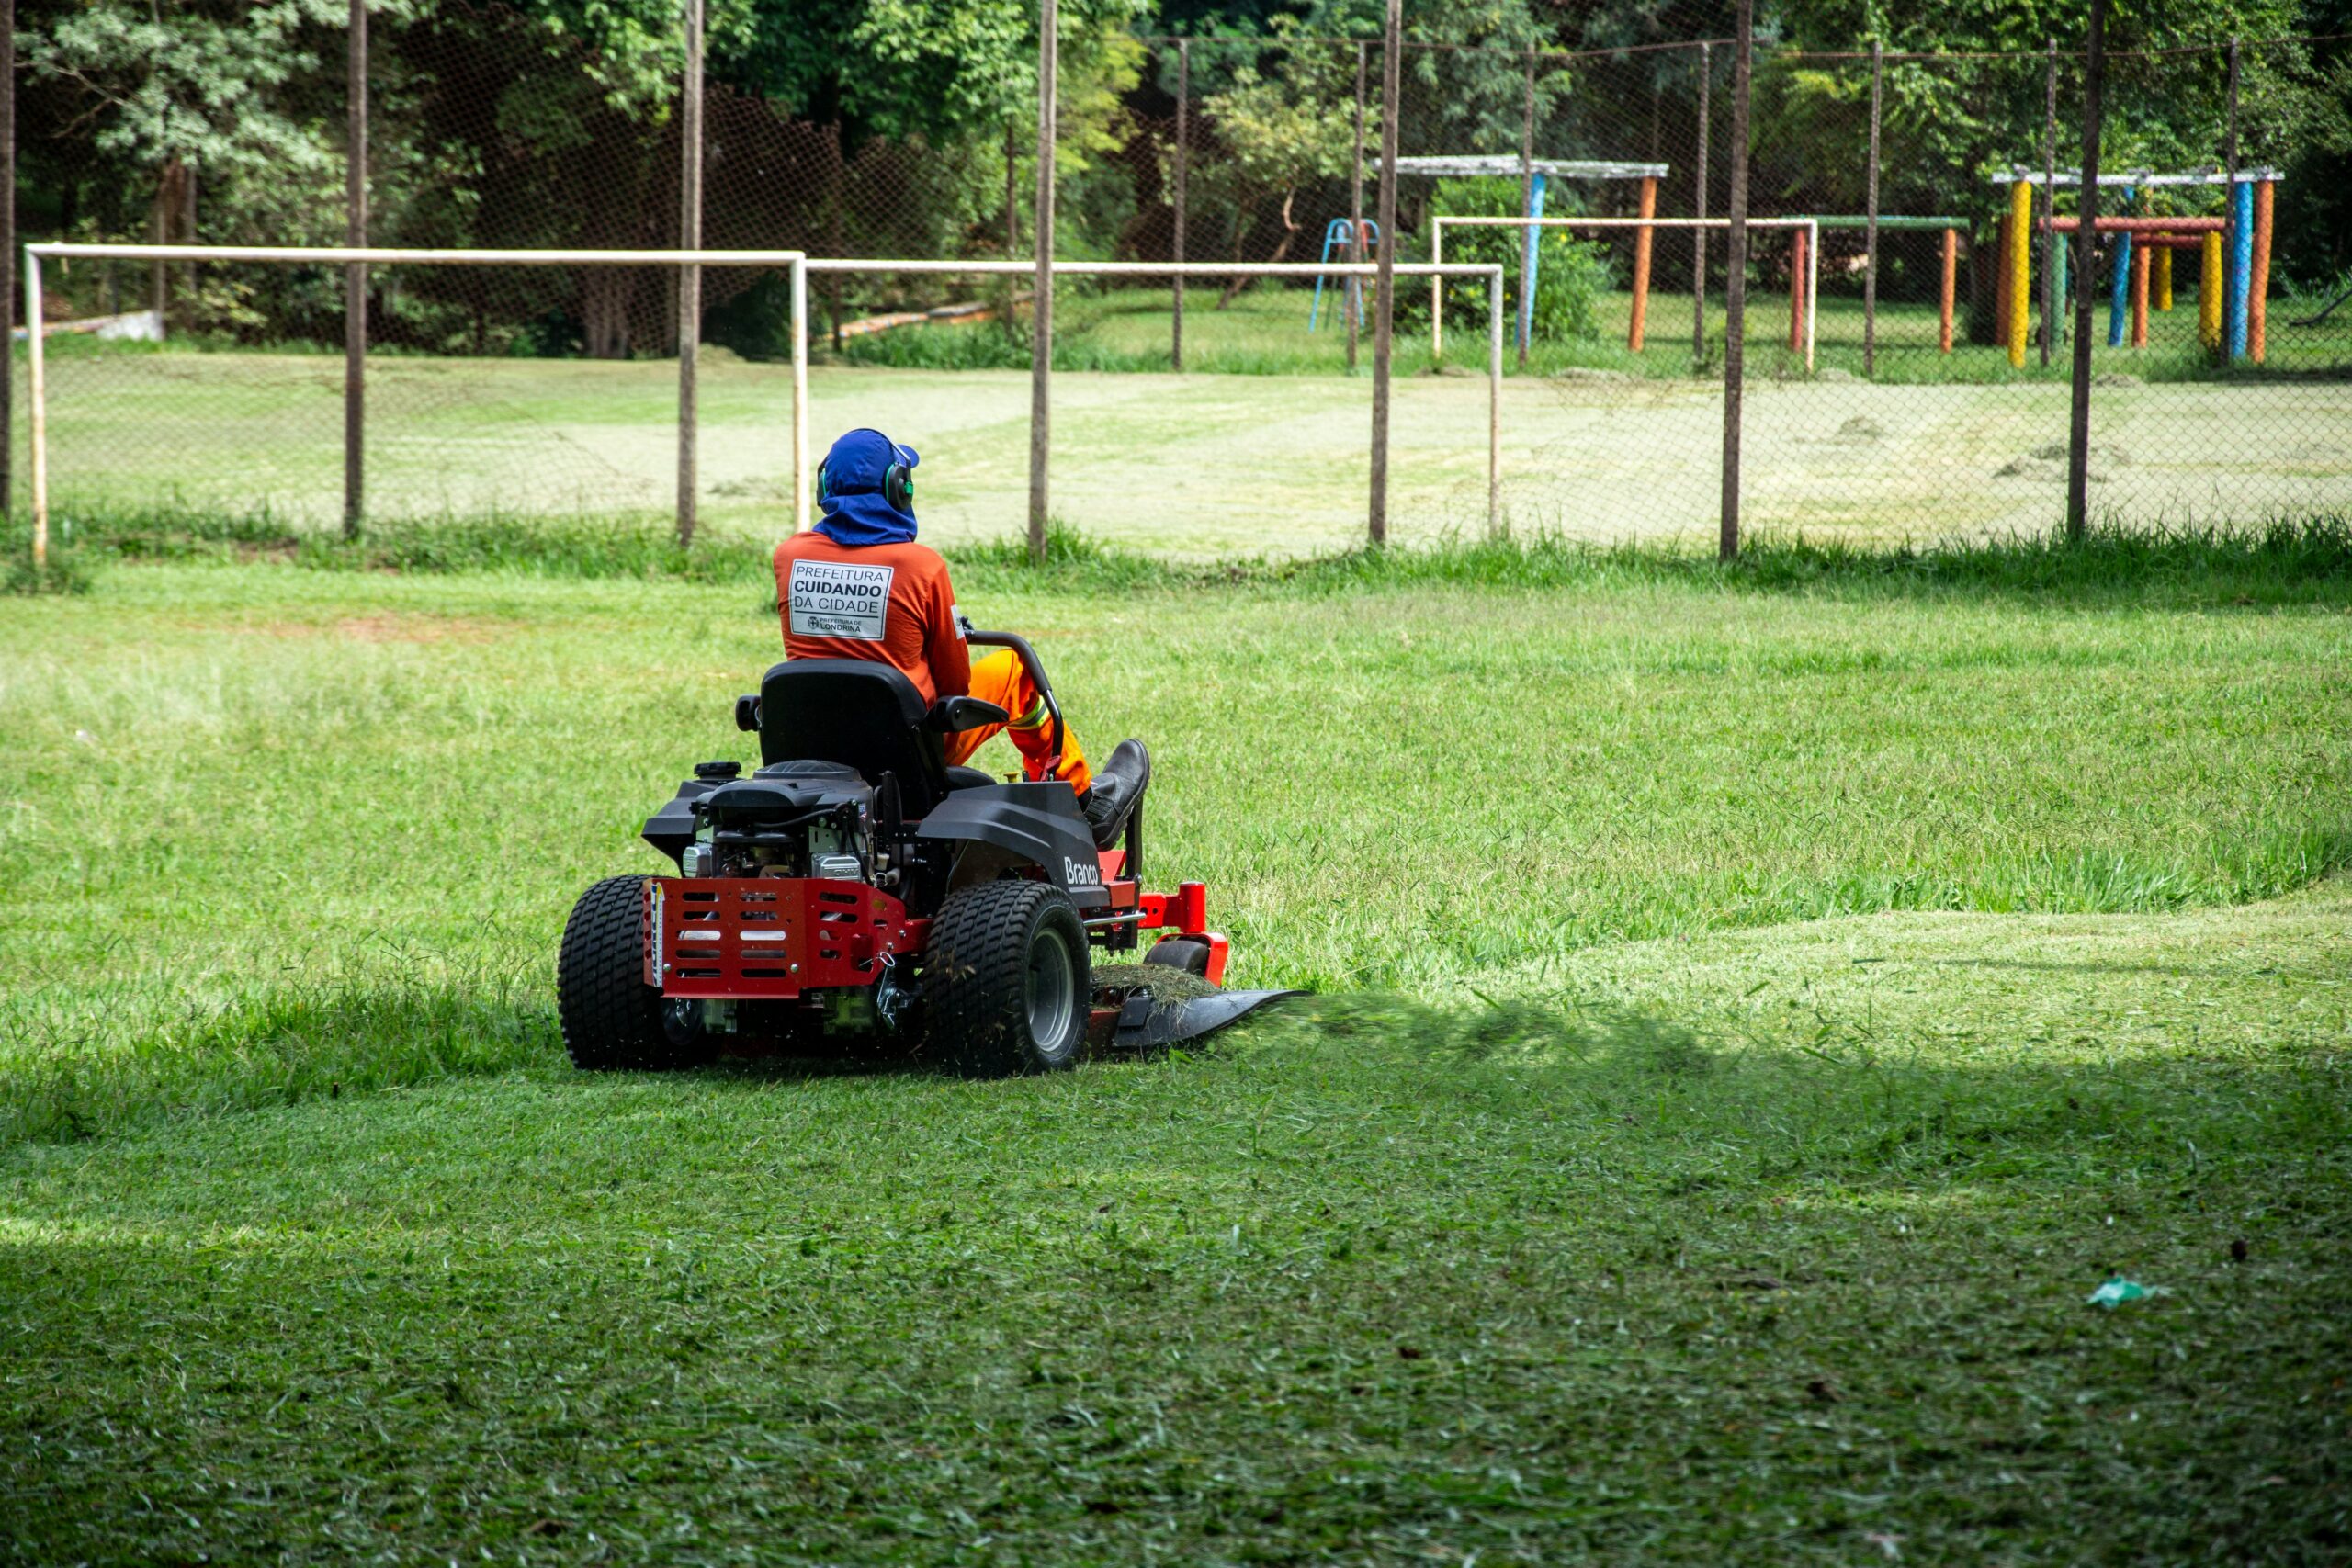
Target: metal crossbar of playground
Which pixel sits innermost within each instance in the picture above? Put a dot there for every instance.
(799, 264)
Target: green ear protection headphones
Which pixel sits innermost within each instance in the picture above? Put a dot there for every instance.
(897, 480)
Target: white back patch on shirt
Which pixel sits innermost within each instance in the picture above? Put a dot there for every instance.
(837, 600)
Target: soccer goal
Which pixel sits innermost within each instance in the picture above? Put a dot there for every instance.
(450, 435)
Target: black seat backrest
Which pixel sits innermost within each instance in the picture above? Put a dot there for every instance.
(863, 715)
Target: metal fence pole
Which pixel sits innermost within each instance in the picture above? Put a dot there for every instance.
(1011, 188)
(2078, 427)
(1527, 199)
(1041, 309)
(34, 356)
(1495, 527)
(1869, 220)
(2049, 203)
(800, 485)
(690, 274)
(1699, 209)
(1735, 284)
(1384, 299)
(355, 278)
(9, 241)
(2230, 314)
(1183, 156)
(1355, 216)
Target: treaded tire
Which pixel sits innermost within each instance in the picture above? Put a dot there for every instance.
(987, 974)
(611, 1018)
(1181, 953)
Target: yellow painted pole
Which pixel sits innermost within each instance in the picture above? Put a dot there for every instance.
(2020, 261)
(2209, 294)
(2164, 278)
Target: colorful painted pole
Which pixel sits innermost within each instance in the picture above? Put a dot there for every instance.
(2164, 278)
(2241, 260)
(2139, 296)
(2061, 256)
(2208, 293)
(1527, 263)
(2259, 289)
(2020, 269)
(1642, 266)
(1796, 293)
(2118, 295)
(1945, 290)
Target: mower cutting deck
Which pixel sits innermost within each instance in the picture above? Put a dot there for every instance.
(856, 887)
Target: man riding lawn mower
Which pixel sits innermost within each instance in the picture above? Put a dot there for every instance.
(864, 882)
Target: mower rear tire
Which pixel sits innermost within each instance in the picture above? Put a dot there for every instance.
(1007, 981)
(1181, 953)
(611, 1018)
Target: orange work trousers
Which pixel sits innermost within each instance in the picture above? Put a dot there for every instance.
(998, 678)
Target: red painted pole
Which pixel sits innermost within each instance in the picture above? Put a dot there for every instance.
(1796, 294)
(1944, 297)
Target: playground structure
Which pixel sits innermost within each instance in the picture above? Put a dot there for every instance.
(1346, 236)
(1539, 174)
(2234, 250)
(1804, 269)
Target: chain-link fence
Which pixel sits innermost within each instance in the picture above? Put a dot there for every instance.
(1906, 378)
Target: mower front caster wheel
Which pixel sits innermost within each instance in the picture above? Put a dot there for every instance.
(1181, 953)
(611, 1018)
(1007, 982)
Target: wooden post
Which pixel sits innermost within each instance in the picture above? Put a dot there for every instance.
(2256, 310)
(1041, 311)
(1797, 263)
(355, 276)
(1526, 204)
(1699, 209)
(690, 275)
(2005, 237)
(1642, 265)
(8, 247)
(1384, 294)
(2049, 202)
(2078, 427)
(1945, 291)
(1736, 287)
(1870, 216)
(2208, 292)
(1183, 158)
(2140, 254)
(2164, 280)
(1355, 216)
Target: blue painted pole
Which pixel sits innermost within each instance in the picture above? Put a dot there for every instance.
(2241, 253)
(1527, 300)
(2119, 293)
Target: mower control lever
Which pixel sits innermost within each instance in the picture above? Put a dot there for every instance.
(1036, 674)
(747, 712)
(953, 716)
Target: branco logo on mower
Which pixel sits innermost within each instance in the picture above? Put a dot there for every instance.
(836, 600)
(1076, 875)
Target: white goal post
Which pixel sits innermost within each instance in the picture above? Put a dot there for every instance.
(1439, 224)
(799, 265)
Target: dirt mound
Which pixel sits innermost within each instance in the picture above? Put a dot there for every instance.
(2048, 463)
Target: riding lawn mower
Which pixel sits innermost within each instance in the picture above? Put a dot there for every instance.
(855, 887)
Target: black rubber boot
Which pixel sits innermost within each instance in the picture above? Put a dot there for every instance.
(1118, 785)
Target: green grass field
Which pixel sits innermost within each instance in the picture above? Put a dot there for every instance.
(1758, 1009)
(1595, 443)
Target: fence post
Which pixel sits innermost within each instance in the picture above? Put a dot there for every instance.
(355, 278)
(2233, 244)
(1384, 301)
(1012, 188)
(690, 274)
(34, 376)
(1355, 217)
(1870, 220)
(1526, 205)
(1183, 151)
(8, 243)
(2078, 424)
(1041, 309)
(800, 478)
(2050, 205)
(1495, 528)
(1699, 209)
(1736, 285)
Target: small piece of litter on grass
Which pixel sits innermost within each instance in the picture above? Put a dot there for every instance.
(1890, 1544)
(2117, 1291)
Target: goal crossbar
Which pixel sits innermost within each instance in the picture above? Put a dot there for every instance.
(1439, 224)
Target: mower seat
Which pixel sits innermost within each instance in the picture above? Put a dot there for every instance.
(862, 715)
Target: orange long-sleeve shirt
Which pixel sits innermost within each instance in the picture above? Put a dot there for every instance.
(891, 603)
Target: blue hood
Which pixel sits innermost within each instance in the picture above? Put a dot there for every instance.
(856, 511)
